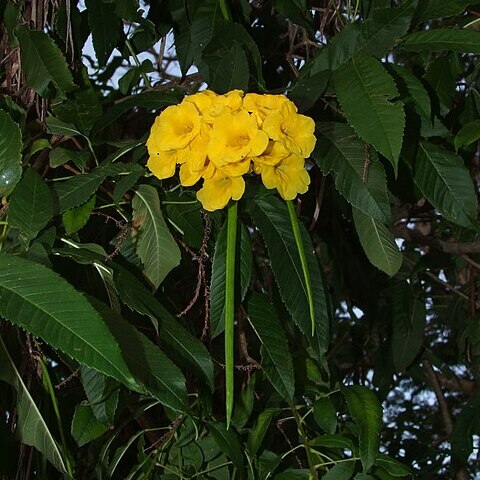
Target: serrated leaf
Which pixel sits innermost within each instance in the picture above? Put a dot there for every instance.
(105, 27)
(366, 411)
(468, 134)
(31, 207)
(43, 303)
(154, 243)
(217, 285)
(76, 218)
(392, 466)
(43, 62)
(10, 153)
(276, 360)
(31, 426)
(366, 92)
(437, 39)
(378, 243)
(359, 176)
(417, 94)
(271, 217)
(443, 178)
(85, 426)
(432, 9)
(78, 189)
(60, 156)
(408, 322)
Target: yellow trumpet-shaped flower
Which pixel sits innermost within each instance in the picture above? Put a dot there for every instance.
(289, 176)
(217, 191)
(262, 105)
(235, 137)
(174, 128)
(295, 131)
(273, 155)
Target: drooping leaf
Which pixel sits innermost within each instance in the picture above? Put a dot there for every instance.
(359, 176)
(76, 218)
(43, 62)
(228, 442)
(276, 360)
(257, 433)
(170, 331)
(378, 243)
(366, 411)
(149, 365)
(154, 243)
(31, 426)
(85, 426)
(392, 466)
(40, 301)
(271, 217)
(105, 26)
(56, 126)
(408, 323)
(31, 207)
(217, 285)
(468, 134)
(437, 39)
(10, 153)
(444, 180)
(366, 92)
(60, 156)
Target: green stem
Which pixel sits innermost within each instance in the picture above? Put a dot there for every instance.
(232, 214)
(308, 451)
(51, 391)
(224, 9)
(137, 63)
(303, 259)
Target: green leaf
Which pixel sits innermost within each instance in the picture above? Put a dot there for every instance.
(437, 39)
(366, 92)
(296, 11)
(78, 189)
(378, 243)
(60, 156)
(43, 303)
(76, 218)
(154, 243)
(332, 441)
(149, 365)
(417, 94)
(56, 126)
(392, 466)
(271, 217)
(325, 414)
(85, 426)
(228, 67)
(432, 9)
(102, 393)
(257, 433)
(43, 62)
(170, 331)
(442, 177)
(10, 153)
(31, 207)
(408, 321)
(294, 474)
(228, 443)
(366, 411)
(276, 360)
(341, 471)
(358, 177)
(468, 134)
(217, 285)
(105, 27)
(31, 426)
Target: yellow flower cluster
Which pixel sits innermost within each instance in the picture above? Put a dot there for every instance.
(220, 138)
